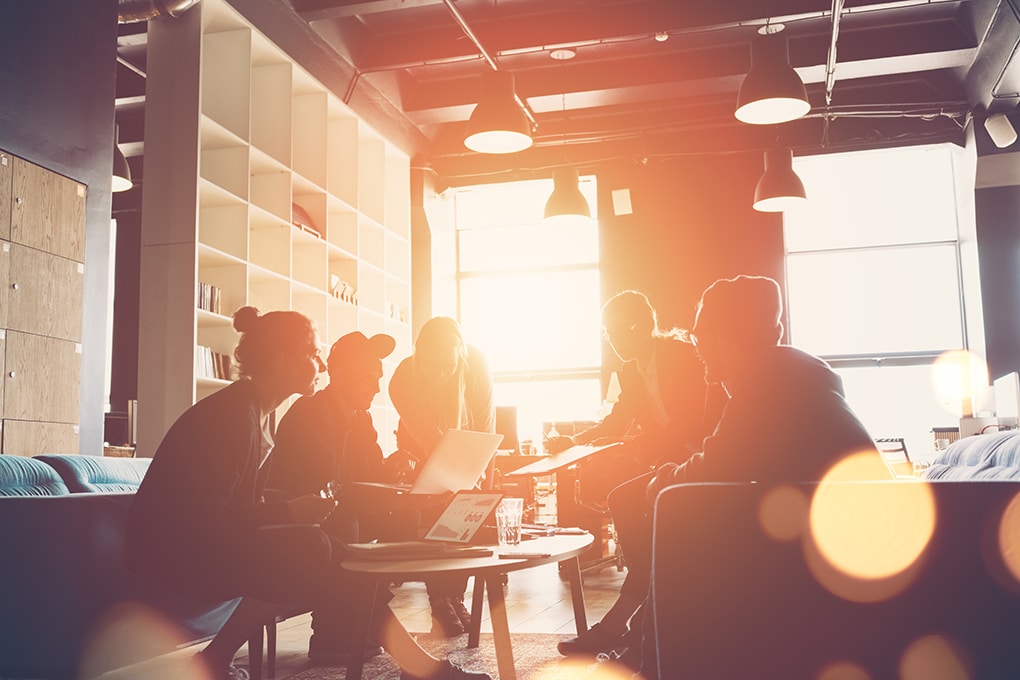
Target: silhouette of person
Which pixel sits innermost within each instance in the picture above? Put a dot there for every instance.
(200, 525)
(444, 384)
(664, 411)
(786, 420)
(329, 437)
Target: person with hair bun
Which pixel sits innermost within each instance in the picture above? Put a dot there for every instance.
(199, 523)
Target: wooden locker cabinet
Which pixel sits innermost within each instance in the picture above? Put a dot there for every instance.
(42, 220)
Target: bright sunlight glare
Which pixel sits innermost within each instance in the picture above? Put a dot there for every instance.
(127, 633)
(1009, 537)
(861, 555)
(934, 657)
(958, 377)
(783, 513)
(843, 670)
(582, 669)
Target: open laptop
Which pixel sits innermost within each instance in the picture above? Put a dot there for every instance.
(456, 464)
(450, 535)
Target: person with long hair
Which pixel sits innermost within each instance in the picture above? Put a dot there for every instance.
(200, 526)
(444, 384)
(664, 412)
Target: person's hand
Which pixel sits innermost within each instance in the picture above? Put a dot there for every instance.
(558, 443)
(664, 476)
(310, 508)
(400, 464)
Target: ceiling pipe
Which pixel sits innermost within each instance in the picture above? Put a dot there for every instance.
(830, 61)
(134, 11)
(459, 18)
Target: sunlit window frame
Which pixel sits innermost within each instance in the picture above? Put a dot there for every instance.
(968, 283)
(579, 372)
(910, 358)
(967, 273)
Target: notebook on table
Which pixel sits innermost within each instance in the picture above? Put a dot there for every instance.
(449, 536)
(456, 464)
(544, 465)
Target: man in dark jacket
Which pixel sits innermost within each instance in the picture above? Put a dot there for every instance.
(786, 420)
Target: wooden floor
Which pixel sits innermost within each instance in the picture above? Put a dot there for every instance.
(537, 601)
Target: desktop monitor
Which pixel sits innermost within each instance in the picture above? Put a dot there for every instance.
(1007, 400)
(506, 425)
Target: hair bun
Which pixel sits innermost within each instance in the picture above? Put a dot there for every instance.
(245, 318)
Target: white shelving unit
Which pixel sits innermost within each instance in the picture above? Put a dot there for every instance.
(262, 184)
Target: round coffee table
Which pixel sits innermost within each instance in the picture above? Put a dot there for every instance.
(488, 572)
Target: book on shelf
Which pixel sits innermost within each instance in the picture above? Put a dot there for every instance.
(215, 365)
(208, 297)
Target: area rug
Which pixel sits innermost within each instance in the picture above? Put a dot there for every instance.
(535, 658)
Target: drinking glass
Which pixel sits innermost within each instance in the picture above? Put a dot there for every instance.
(509, 513)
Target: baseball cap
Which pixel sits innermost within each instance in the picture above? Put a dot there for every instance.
(357, 347)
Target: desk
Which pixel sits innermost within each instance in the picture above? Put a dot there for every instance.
(488, 573)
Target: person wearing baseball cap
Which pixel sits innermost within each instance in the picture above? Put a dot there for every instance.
(327, 439)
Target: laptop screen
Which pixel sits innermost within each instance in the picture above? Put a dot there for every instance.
(463, 517)
(457, 462)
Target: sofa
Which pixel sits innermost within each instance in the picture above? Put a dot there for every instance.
(68, 606)
(983, 456)
(853, 579)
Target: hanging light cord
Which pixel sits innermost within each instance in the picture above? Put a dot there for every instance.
(830, 61)
(464, 26)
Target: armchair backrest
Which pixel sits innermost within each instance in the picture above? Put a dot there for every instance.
(743, 587)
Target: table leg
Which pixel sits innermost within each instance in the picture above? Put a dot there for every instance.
(572, 570)
(365, 607)
(477, 596)
(500, 627)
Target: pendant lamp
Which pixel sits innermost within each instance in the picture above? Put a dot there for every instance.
(121, 169)
(772, 92)
(566, 200)
(498, 124)
(779, 188)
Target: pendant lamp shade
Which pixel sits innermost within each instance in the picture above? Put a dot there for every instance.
(121, 169)
(772, 92)
(498, 124)
(779, 188)
(566, 199)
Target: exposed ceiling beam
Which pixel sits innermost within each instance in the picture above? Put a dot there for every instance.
(317, 10)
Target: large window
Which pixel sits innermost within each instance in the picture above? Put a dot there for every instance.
(527, 294)
(880, 270)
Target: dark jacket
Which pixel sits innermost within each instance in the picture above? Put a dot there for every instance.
(201, 498)
(320, 440)
(787, 420)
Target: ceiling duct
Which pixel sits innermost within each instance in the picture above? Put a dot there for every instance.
(134, 11)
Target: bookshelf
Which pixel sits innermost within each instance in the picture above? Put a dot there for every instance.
(262, 188)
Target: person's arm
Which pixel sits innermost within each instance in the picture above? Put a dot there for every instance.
(413, 422)
(481, 407)
(613, 426)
